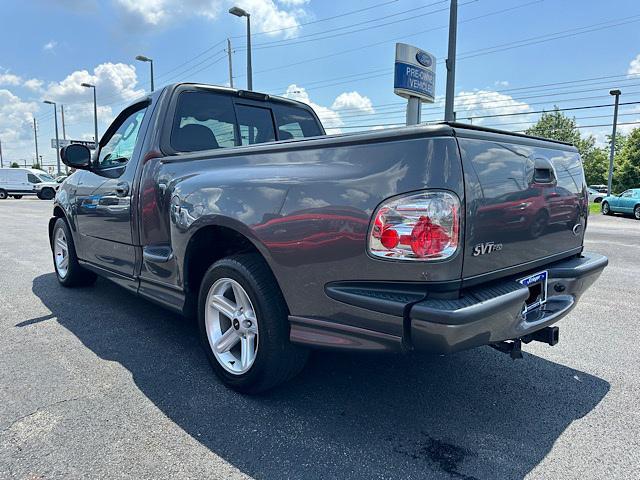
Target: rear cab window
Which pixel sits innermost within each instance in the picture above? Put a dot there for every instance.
(206, 119)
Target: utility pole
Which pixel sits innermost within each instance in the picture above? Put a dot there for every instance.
(616, 93)
(1, 159)
(230, 63)
(451, 62)
(55, 121)
(64, 133)
(35, 137)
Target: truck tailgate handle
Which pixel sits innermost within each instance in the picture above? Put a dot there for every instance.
(122, 189)
(543, 171)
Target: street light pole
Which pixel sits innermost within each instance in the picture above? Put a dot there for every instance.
(230, 63)
(55, 121)
(616, 93)
(95, 112)
(239, 12)
(142, 58)
(1, 159)
(451, 62)
(35, 137)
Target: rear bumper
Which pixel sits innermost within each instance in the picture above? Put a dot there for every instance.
(482, 315)
(493, 313)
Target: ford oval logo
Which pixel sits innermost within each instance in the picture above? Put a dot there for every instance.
(424, 59)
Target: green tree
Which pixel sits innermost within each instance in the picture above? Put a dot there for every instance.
(15, 165)
(558, 126)
(36, 165)
(627, 162)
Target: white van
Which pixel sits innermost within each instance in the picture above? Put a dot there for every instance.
(16, 182)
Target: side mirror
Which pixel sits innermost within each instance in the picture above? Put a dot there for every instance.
(76, 156)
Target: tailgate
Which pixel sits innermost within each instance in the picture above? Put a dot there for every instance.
(525, 202)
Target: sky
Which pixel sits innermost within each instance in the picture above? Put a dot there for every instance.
(514, 59)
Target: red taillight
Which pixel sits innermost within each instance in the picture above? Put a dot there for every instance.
(422, 226)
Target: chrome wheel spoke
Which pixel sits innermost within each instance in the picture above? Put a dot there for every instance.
(226, 341)
(64, 262)
(223, 305)
(242, 300)
(247, 349)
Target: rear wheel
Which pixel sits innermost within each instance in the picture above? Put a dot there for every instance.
(244, 327)
(636, 212)
(68, 271)
(3, 194)
(17, 197)
(606, 210)
(46, 194)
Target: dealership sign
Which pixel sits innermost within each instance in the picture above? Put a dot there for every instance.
(414, 73)
(66, 143)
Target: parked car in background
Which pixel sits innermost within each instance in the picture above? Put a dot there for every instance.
(599, 188)
(627, 202)
(595, 196)
(16, 182)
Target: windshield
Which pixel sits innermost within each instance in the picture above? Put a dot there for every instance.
(46, 178)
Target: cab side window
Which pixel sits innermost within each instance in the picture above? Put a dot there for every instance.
(119, 149)
(203, 121)
(294, 122)
(31, 178)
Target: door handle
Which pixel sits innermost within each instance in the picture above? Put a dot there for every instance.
(122, 189)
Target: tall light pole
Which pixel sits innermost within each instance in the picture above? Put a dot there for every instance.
(616, 93)
(238, 12)
(95, 112)
(449, 116)
(35, 137)
(142, 58)
(55, 120)
(1, 159)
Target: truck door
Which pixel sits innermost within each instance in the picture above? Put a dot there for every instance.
(103, 196)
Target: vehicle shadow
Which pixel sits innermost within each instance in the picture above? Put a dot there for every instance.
(476, 414)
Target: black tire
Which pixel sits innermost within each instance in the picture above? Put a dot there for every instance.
(606, 210)
(17, 197)
(636, 212)
(47, 194)
(76, 275)
(3, 194)
(277, 360)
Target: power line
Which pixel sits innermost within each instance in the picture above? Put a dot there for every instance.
(345, 14)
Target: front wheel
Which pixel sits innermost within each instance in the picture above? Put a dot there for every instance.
(636, 212)
(68, 271)
(3, 194)
(606, 210)
(243, 325)
(46, 194)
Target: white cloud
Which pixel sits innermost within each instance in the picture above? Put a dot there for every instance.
(16, 117)
(293, 3)
(10, 79)
(634, 66)
(480, 103)
(501, 83)
(353, 101)
(330, 116)
(34, 84)
(266, 15)
(49, 46)
(114, 82)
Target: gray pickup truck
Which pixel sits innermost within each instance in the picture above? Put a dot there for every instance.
(236, 208)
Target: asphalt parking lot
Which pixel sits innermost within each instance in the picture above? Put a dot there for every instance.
(96, 383)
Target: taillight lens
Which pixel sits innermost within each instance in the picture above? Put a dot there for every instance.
(423, 226)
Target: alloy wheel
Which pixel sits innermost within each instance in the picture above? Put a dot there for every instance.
(231, 325)
(61, 252)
